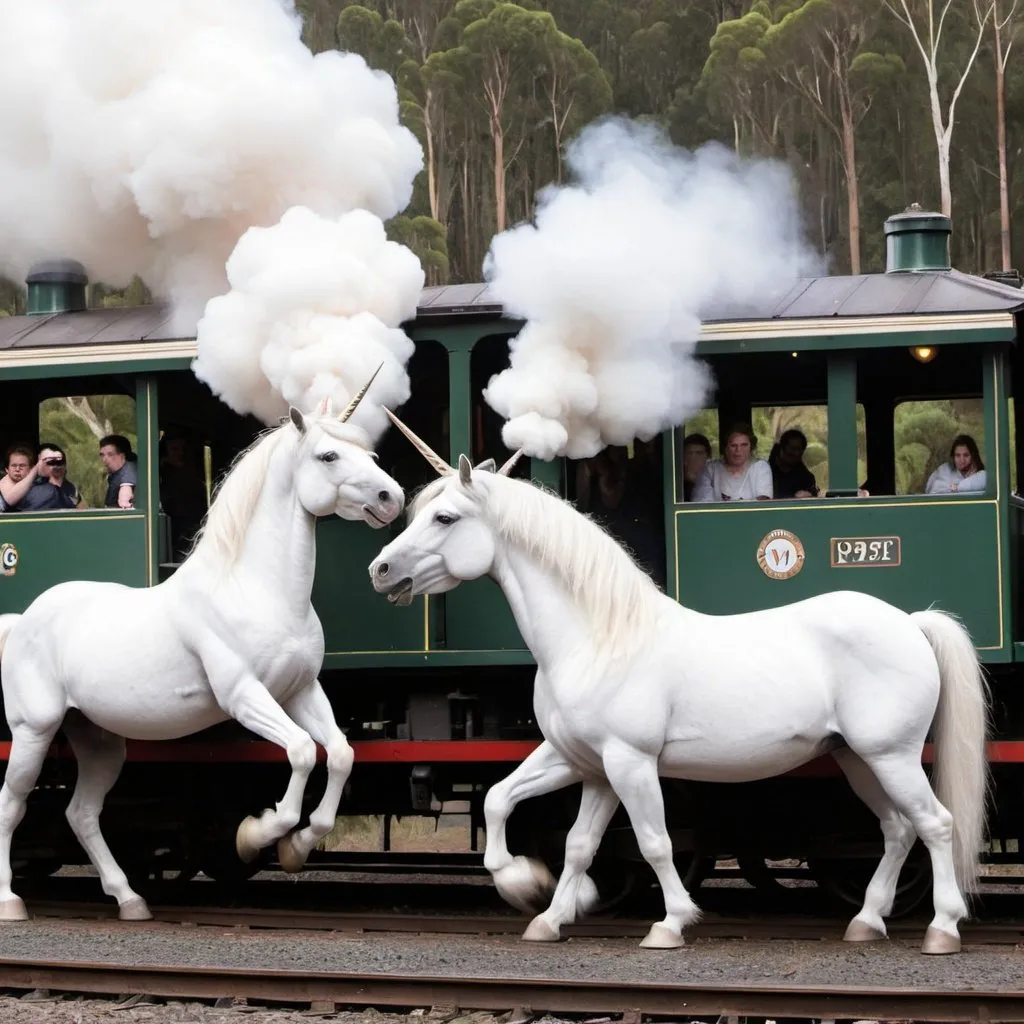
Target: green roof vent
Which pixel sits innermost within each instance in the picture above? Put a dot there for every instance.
(56, 286)
(917, 240)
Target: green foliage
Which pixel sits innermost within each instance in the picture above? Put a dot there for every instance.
(77, 423)
(426, 237)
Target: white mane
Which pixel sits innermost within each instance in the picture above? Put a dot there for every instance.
(223, 531)
(617, 596)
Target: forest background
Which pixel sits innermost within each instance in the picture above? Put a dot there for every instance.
(874, 104)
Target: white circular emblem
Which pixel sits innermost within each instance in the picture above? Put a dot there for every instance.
(8, 559)
(780, 555)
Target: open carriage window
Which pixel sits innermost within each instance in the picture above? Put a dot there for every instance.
(77, 424)
(62, 422)
(490, 357)
(925, 420)
(777, 404)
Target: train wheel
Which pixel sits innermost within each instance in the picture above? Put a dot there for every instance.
(846, 879)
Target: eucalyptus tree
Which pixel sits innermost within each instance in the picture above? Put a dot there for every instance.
(919, 17)
(822, 48)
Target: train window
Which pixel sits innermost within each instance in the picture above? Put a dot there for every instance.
(773, 392)
(917, 402)
(490, 357)
(76, 423)
(923, 436)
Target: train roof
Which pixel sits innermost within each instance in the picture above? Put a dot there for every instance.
(808, 303)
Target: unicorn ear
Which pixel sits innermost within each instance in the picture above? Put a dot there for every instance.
(465, 471)
(487, 466)
(297, 418)
(325, 408)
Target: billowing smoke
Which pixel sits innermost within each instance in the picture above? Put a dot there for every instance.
(615, 275)
(313, 310)
(147, 137)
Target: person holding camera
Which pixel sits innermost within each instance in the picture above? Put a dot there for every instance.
(50, 488)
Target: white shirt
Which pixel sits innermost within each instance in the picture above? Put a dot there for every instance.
(716, 483)
(941, 481)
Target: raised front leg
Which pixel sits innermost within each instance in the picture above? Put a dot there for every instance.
(522, 881)
(312, 710)
(576, 893)
(242, 696)
(634, 777)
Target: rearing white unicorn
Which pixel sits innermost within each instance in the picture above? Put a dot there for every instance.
(631, 686)
(232, 634)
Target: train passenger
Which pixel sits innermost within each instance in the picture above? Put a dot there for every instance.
(50, 488)
(790, 477)
(738, 475)
(122, 474)
(182, 491)
(623, 496)
(20, 471)
(696, 453)
(963, 472)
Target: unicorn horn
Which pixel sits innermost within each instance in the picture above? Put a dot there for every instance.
(421, 446)
(507, 468)
(351, 407)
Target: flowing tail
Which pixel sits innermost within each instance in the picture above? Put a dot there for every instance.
(961, 776)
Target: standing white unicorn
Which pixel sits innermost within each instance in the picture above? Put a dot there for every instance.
(631, 686)
(232, 634)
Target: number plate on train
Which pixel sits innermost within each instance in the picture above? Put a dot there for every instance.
(865, 551)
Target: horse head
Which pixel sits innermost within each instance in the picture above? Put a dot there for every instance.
(336, 468)
(448, 538)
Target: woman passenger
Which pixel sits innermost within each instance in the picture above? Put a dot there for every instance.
(738, 475)
(963, 472)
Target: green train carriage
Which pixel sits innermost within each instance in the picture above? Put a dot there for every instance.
(436, 698)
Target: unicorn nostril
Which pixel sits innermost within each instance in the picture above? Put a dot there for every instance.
(383, 569)
(384, 497)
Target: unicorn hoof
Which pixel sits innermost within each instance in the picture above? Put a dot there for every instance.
(660, 937)
(13, 909)
(524, 884)
(938, 942)
(134, 909)
(539, 930)
(244, 844)
(290, 859)
(859, 931)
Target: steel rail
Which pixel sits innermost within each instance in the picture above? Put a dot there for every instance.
(782, 927)
(538, 994)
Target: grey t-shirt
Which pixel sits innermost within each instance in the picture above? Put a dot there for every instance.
(43, 495)
(127, 474)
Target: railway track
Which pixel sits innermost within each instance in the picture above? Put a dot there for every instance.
(714, 926)
(324, 992)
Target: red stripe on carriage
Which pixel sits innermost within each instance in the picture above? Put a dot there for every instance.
(422, 751)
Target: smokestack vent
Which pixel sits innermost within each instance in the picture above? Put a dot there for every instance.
(56, 286)
(917, 240)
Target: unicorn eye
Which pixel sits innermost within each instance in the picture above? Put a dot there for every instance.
(328, 457)
(444, 518)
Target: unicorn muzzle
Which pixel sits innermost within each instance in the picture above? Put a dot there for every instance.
(397, 588)
(386, 510)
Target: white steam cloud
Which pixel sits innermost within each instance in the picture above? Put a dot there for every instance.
(147, 137)
(615, 275)
(313, 310)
